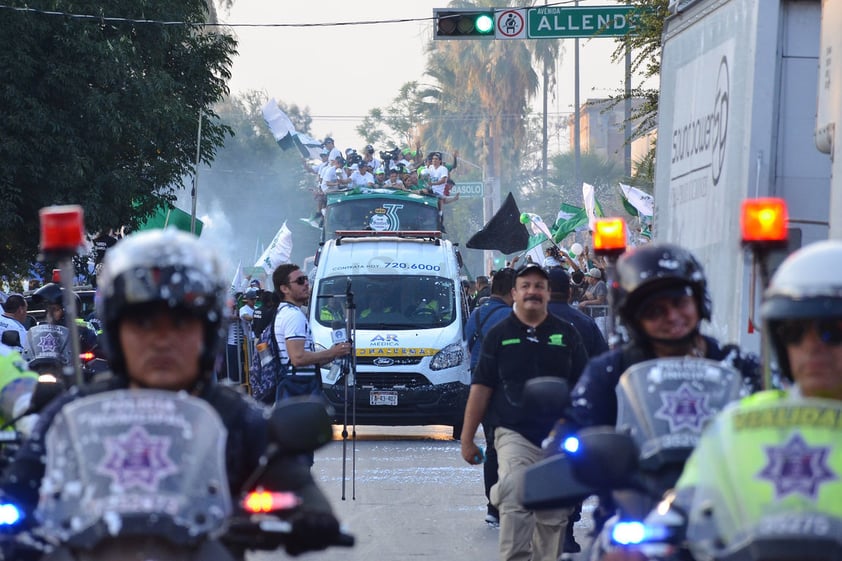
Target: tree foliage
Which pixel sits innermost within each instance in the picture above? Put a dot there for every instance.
(646, 57)
(103, 113)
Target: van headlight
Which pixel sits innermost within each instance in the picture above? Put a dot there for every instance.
(450, 356)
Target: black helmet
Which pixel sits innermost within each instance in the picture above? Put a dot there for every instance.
(807, 285)
(649, 269)
(53, 293)
(161, 266)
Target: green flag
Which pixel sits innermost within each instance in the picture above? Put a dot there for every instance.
(570, 219)
(174, 217)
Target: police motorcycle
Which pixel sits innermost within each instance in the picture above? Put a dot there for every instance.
(22, 394)
(662, 406)
(47, 349)
(141, 475)
(757, 496)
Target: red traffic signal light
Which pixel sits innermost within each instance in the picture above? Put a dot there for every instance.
(468, 23)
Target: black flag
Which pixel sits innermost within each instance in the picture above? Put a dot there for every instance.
(504, 232)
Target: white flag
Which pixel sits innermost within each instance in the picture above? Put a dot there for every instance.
(537, 254)
(237, 283)
(642, 201)
(590, 202)
(278, 252)
(278, 121)
(538, 226)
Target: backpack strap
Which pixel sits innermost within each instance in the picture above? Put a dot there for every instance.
(289, 367)
(478, 334)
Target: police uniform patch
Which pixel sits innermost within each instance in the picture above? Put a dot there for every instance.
(796, 467)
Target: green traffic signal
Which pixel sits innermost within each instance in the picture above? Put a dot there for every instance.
(463, 24)
(484, 24)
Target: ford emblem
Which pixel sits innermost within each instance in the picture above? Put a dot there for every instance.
(383, 361)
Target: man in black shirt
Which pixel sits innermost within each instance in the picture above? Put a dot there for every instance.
(528, 344)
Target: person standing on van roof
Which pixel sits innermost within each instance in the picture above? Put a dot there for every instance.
(529, 343)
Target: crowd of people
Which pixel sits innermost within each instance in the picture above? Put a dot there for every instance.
(407, 170)
(162, 310)
(526, 328)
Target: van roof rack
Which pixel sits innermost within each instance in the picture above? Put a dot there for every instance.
(410, 234)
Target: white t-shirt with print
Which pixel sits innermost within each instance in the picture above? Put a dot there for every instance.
(291, 323)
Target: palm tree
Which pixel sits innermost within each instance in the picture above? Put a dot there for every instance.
(481, 92)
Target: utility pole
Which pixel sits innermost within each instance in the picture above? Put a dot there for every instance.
(577, 140)
(628, 110)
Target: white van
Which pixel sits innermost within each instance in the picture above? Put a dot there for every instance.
(412, 365)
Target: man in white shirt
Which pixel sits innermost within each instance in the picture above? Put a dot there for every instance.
(394, 182)
(247, 311)
(362, 177)
(437, 174)
(335, 177)
(14, 316)
(333, 151)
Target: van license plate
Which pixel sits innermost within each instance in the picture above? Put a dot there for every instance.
(383, 398)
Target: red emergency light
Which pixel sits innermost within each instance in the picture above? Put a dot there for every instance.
(62, 228)
(763, 221)
(609, 236)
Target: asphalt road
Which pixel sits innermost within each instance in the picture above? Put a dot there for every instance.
(407, 495)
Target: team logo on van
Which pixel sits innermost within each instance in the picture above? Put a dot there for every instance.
(384, 340)
(379, 222)
(384, 218)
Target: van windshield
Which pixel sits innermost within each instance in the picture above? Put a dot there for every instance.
(389, 301)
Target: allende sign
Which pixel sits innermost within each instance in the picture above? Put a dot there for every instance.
(591, 21)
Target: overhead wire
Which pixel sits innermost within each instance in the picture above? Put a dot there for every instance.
(142, 21)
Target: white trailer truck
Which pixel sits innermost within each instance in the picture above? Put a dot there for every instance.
(737, 117)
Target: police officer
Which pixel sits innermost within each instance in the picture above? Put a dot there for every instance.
(161, 300)
(781, 446)
(52, 296)
(661, 299)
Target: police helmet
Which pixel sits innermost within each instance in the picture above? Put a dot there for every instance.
(161, 266)
(53, 293)
(807, 285)
(648, 270)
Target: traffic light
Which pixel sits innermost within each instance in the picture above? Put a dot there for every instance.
(466, 23)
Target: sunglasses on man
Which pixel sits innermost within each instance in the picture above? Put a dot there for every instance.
(302, 280)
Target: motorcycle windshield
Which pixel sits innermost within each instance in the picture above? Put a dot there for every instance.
(48, 343)
(134, 462)
(666, 402)
(767, 483)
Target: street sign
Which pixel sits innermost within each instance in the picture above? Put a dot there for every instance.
(470, 189)
(582, 22)
(510, 24)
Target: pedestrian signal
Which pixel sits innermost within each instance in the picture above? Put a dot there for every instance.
(463, 24)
